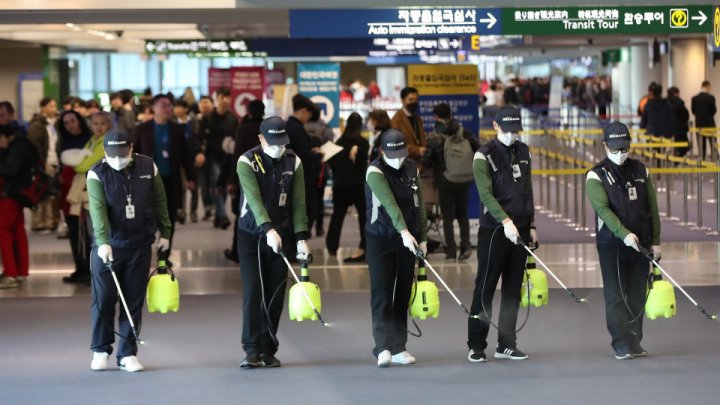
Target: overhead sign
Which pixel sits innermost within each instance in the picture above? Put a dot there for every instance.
(716, 29)
(607, 20)
(196, 46)
(321, 83)
(246, 85)
(402, 22)
(217, 79)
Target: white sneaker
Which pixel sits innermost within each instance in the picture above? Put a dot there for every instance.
(99, 361)
(8, 282)
(384, 358)
(131, 364)
(403, 358)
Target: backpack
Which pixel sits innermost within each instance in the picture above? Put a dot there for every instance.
(458, 155)
(38, 188)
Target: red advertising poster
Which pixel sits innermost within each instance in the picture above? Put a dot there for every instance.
(273, 76)
(246, 85)
(218, 78)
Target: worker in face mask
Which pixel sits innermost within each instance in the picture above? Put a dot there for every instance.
(127, 207)
(395, 230)
(625, 202)
(273, 219)
(501, 169)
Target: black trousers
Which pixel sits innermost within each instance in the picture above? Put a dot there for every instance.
(320, 202)
(259, 281)
(131, 265)
(172, 205)
(391, 267)
(621, 265)
(342, 200)
(79, 244)
(453, 198)
(506, 260)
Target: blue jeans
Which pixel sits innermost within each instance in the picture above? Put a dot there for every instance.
(213, 168)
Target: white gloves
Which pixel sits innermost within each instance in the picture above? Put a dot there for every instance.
(104, 252)
(409, 241)
(632, 241)
(657, 253)
(423, 248)
(163, 244)
(303, 250)
(274, 241)
(511, 232)
(228, 145)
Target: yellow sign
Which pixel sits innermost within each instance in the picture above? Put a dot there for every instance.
(716, 27)
(475, 42)
(679, 18)
(437, 80)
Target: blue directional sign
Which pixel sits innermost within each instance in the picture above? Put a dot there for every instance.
(389, 23)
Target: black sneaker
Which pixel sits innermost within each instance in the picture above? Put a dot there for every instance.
(207, 216)
(223, 223)
(464, 254)
(450, 256)
(623, 354)
(638, 351)
(252, 361)
(270, 360)
(509, 353)
(231, 254)
(477, 356)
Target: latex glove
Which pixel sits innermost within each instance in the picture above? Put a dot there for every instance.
(511, 231)
(104, 252)
(423, 248)
(274, 240)
(163, 244)
(409, 241)
(303, 250)
(632, 241)
(534, 237)
(657, 253)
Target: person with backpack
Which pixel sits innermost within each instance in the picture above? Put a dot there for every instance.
(450, 153)
(17, 159)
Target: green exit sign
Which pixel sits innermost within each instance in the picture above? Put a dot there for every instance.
(607, 20)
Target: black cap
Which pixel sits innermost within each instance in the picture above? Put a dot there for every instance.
(117, 143)
(273, 129)
(509, 119)
(617, 136)
(393, 144)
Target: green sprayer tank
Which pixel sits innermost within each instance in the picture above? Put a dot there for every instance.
(661, 298)
(536, 281)
(298, 306)
(424, 297)
(163, 291)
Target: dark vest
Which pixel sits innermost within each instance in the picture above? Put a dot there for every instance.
(634, 214)
(135, 180)
(277, 180)
(508, 191)
(403, 183)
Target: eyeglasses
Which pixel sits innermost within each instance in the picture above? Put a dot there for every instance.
(621, 150)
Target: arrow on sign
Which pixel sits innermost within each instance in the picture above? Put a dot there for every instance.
(702, 17)
(491, 20)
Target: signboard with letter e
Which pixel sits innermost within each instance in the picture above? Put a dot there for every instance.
(320, 82)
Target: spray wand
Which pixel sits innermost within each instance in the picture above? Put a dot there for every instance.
(420, 256)
(537, 259)
(650, 257)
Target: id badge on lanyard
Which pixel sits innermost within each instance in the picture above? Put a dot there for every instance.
(516, 171)
(632, 192)
(283, 199)
(129, 208)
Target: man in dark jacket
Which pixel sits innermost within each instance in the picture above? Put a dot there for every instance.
(657, 117)
(164, 141)
(451, 181)
(44, 137)
(681, 116)
(704, 109)
(246, 138)
(300, 144)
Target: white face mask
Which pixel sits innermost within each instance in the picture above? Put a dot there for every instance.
(508, 138)
(617, 157)
(394, 163)
(118, 163)
(274, 151)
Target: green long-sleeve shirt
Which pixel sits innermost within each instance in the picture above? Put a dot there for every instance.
(253, 196)
(97, 153)
(381, 189)
(98, 207)
(599, 200)
(483, 182)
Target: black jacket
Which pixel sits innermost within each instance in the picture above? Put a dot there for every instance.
(657, 118)
(681, 116)
(215, 128)
(16, 164)
(348, 176)
(180, 156)
(704, 109)
(300, 143)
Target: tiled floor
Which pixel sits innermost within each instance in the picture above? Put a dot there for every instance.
(202, 268)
